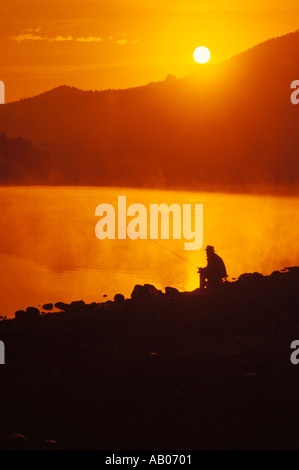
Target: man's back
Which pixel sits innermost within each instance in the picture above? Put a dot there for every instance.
(216, 267)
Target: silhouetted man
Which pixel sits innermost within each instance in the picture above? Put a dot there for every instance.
(215, 272)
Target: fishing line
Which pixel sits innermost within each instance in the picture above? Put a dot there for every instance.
(170, 251)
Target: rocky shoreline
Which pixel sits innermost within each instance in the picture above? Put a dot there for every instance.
(172, 370)
(149, 293)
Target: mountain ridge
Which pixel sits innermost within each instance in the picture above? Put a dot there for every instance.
(260, 46)
(229, 127)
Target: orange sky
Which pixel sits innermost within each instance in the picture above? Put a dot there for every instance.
(100, 44)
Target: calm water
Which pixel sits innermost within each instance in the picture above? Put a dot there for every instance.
(49, 251)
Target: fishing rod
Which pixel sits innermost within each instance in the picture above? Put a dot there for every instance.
(170, 251)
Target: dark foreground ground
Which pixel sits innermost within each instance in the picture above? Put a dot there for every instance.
(192, 372)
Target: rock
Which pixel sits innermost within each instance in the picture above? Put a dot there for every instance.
(78, 305)
(245, 277)
(276, 274)
(249, 277)
(137, 292)
(20, 315)
(119, 298)
(293, 269)
(145, 292)
(92, 307)
(48, 307)
(171, 292)
(152, 289)
(32, 312)
(62, 306)
(257, 276)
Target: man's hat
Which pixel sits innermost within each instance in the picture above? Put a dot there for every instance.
(210, 249)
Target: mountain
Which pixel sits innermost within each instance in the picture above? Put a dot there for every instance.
(231, 127)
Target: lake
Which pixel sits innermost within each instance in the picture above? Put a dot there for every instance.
(49, 251)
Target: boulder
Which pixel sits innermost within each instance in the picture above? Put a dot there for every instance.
(171, 292)
(145, 292)
(62, 306)
(276, 274)
(20, 315)
(152, 290)
(48, 307)
(249, 277)
(119, 298)
(32, 312)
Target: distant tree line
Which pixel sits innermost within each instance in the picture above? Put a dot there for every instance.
(21, 162)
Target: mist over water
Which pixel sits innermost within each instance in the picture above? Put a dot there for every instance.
(49, 251)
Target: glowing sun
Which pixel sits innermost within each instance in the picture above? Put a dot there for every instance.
(202, 55)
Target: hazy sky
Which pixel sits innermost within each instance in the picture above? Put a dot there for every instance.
(99, 44)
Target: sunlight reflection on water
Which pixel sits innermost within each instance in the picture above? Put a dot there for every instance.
(49, 251)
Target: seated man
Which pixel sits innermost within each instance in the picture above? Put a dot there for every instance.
(215, 272)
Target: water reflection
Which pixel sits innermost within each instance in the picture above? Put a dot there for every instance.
(49, 251)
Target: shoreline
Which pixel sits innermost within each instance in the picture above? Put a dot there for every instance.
(176, 370)
(149, 293)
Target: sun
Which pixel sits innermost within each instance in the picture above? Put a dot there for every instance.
(202, 55)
